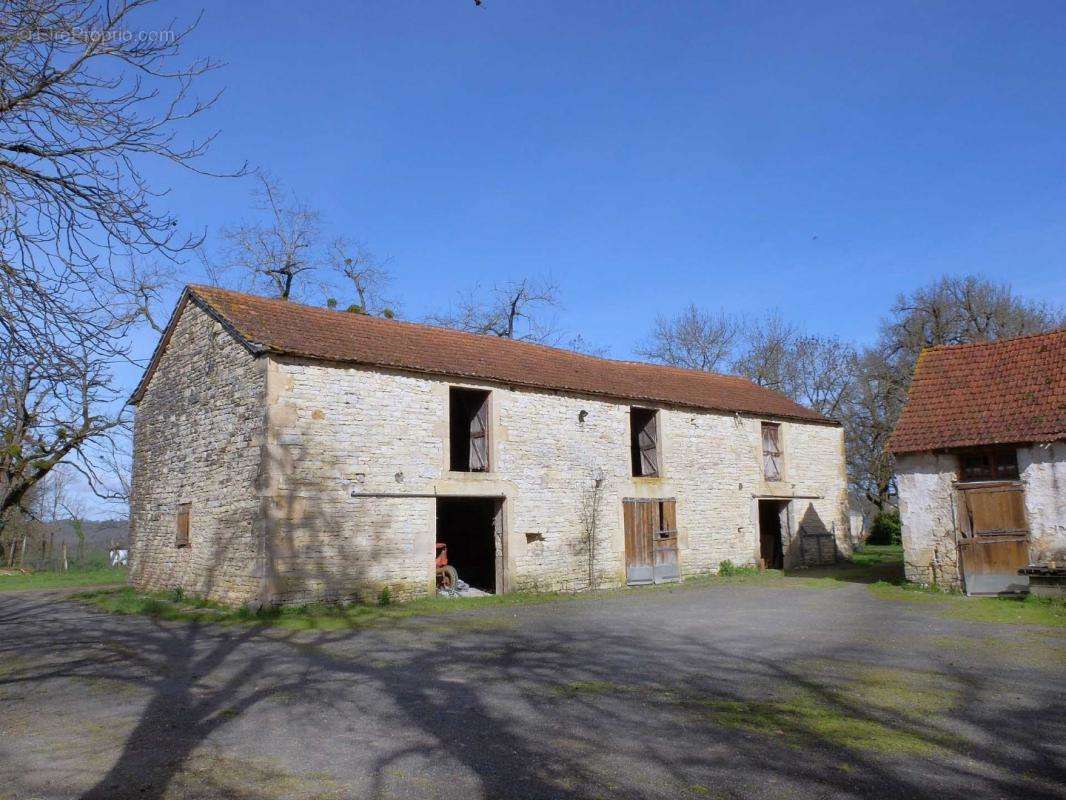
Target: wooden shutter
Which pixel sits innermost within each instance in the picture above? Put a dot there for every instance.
(994, 509)
(771, 451)
(181, 526)
(479, 437)
(647, 439)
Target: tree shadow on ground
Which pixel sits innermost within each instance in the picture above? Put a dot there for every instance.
(477, 705)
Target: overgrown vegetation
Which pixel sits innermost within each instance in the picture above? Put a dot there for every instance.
(728, 569)
(886, 529)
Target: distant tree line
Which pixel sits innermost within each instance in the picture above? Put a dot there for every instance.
(865, 388)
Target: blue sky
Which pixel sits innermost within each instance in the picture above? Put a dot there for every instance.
(817, 157)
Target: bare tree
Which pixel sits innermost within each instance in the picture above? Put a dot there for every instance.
(693, 339)
(282, 248)
(766, 352)
(513, 310)
(84, 100)
(952, 310)
(364, 273)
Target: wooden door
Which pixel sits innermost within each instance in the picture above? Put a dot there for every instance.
(994, 542)
(650, 540)
(664, 543)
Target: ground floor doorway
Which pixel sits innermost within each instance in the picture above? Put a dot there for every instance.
(773, 522)
(651, 540)
(471, 528)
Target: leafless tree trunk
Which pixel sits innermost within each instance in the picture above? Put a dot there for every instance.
(364, 273)
(279, 251)
(513, 310)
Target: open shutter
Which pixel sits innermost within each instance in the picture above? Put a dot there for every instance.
(771, 452)
(479, 439)
(646, 439)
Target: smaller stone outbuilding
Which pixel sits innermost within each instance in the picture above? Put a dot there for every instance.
(981, 463)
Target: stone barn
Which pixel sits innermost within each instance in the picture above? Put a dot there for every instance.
(981, 463)
(286, 454)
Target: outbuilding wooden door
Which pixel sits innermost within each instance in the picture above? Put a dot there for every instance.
(994, 541)
(651, 540)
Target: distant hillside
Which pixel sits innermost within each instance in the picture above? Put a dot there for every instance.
(99, 534)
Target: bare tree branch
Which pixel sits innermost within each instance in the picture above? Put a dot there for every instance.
(282, 248)
(85, 102)
(513, 310)
(694, 339)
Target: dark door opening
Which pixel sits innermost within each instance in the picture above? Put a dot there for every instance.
(470, 527)
(771, 543)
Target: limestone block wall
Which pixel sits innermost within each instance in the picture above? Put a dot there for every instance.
(198, 430)
(334, 430)
(927, 510)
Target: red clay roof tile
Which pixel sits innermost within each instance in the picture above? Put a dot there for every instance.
(288, 328)
(1005, 392)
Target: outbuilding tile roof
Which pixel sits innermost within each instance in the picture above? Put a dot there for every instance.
(1005, 392)
(287, 328)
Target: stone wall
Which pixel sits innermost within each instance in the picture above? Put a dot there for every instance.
(927, 510)
(926, 507)
(198, 432)
(1043, 469)
(334, 430)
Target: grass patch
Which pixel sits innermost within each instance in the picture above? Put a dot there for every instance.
(857, 706)
(319, 616)
(99, 576)
(805, 720)
(577, 688)
(845, 704)
(870, 564)
(1007, 610)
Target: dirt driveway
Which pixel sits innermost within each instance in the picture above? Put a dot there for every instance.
(730, 691)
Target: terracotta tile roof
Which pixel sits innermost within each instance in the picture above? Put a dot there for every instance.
(287, 328)
(1005, 392)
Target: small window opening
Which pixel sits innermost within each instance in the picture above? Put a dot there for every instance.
(181, 526)
(469, 430)
(989, 464)
(771, 451)
(644, 441)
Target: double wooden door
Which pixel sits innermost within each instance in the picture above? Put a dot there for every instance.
(651, 540)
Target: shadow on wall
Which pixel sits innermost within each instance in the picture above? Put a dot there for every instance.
(320, 545)
(521, 712)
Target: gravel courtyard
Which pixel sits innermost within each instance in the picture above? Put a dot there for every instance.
(711, 692)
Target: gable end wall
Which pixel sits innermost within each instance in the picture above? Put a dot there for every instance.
(198, 433)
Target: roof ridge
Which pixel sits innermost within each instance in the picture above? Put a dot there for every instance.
(196, 288)
(288, 327)
(995, 342)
